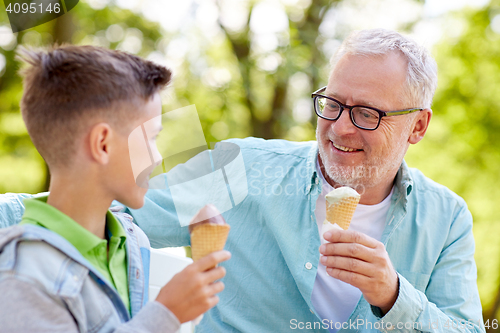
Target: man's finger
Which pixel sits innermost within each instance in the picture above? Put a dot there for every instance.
(349, 236)
(352, 250)
(348, 264)
(354, 279)
(212, 260)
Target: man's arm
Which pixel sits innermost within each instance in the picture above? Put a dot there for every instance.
(158, 218)
(12, 208)
(451, 300)
(451, 297)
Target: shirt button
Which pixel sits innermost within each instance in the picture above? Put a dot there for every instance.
(75, 277)
(389, 327)
(309, 265)
(137, 274)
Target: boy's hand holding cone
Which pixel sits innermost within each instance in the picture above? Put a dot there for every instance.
(208, 231)
(194, 290)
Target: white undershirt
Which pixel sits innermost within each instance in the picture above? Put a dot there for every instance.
(331, 298)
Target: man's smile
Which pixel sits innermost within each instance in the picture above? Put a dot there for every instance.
(344, 149)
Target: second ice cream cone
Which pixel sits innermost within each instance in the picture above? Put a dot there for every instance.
(207, 238)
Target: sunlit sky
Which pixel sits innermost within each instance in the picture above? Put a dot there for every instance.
(269, 19)
(268, 15)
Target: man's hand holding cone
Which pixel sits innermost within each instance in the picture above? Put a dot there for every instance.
(354, 257)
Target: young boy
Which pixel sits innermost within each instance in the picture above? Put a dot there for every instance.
(72, 265)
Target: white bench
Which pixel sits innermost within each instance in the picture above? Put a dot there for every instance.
(163, 267)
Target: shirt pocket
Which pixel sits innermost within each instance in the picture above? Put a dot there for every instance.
(418, 280)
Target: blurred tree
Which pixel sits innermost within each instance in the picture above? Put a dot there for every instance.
(302, 35)
(21, 167)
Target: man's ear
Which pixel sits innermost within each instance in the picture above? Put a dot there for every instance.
(420, 126)
(100, 140)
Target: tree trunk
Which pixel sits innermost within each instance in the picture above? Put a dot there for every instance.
(62, 31)
(273, 126)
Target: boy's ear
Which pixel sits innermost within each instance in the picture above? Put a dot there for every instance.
(420, 126)
(100, 140)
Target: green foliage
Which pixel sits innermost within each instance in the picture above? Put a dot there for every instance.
(460, 149)
(21, 167)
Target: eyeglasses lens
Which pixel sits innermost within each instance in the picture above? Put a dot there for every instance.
(363, 117)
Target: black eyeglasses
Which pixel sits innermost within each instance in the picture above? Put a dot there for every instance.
(364, 117)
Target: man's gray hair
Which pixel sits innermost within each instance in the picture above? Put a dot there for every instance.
(421, 79)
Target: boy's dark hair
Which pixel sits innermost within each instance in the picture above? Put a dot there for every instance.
(67, 88)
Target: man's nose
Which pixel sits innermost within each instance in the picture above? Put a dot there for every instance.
(343, 125)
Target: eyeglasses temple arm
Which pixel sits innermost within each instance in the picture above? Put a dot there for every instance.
(400, 112)
(317, 91)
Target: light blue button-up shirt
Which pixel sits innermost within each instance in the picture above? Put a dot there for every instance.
(275, 242)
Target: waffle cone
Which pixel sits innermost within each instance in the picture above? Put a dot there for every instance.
(341, 212)
(207, 238)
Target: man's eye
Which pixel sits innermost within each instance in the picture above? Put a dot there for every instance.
(331, 107)
(368, 114)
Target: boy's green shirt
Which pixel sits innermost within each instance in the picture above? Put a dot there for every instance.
(92, 248)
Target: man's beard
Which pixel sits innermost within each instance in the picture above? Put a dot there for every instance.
(355, 176)
(363, 176)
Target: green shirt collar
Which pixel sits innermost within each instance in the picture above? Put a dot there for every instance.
(40, 213)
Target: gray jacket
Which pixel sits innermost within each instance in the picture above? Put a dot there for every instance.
(47, 286)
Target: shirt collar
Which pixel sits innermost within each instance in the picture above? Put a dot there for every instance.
(114, 228)
(39, 212)
(311, 167)
(403, 182)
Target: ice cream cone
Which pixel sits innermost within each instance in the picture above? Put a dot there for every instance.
(340, 206)
(207, 238)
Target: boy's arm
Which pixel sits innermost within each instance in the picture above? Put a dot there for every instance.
(193, 291)
(189, 294)
(27, 308)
